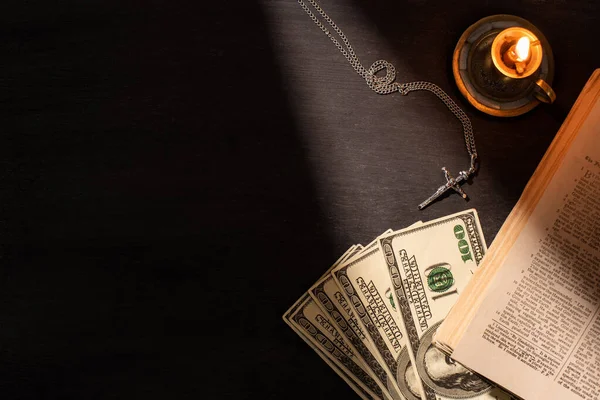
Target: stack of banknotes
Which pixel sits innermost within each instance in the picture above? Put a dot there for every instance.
(373, 314)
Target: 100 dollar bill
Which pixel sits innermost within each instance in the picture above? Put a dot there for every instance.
(310, 320)
(348, 378)
(428, 267)
(366, 287)
(330, 299)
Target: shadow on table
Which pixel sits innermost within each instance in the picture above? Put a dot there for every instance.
(156, 205)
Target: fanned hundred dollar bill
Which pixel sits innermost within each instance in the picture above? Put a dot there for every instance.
(428, 266)
(373, 314)
(327, 294)
(310, 320)
(328, 352)
(366, 287)
(349, 379)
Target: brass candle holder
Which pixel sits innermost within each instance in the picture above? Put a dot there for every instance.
(503, 65)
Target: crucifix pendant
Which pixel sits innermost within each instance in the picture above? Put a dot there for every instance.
(452, 183)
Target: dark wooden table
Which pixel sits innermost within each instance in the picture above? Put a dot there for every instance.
(176, 174)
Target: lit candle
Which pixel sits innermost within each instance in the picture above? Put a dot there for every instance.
(516, 52)
(517, 55)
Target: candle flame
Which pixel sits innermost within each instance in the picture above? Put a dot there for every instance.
(522, 48)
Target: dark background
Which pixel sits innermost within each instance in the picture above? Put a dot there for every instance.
(175, 174)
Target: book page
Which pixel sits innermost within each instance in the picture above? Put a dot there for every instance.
(537, 332)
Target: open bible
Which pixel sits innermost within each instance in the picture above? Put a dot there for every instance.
(529, 319)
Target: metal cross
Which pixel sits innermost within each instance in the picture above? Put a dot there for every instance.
(452, 183)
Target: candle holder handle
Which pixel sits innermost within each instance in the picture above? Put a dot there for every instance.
(544, 92)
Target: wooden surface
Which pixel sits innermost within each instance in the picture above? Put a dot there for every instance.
(176, 174)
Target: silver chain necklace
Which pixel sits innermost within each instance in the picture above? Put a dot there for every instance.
(386, 85)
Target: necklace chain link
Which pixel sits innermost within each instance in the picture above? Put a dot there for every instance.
(386, 85)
